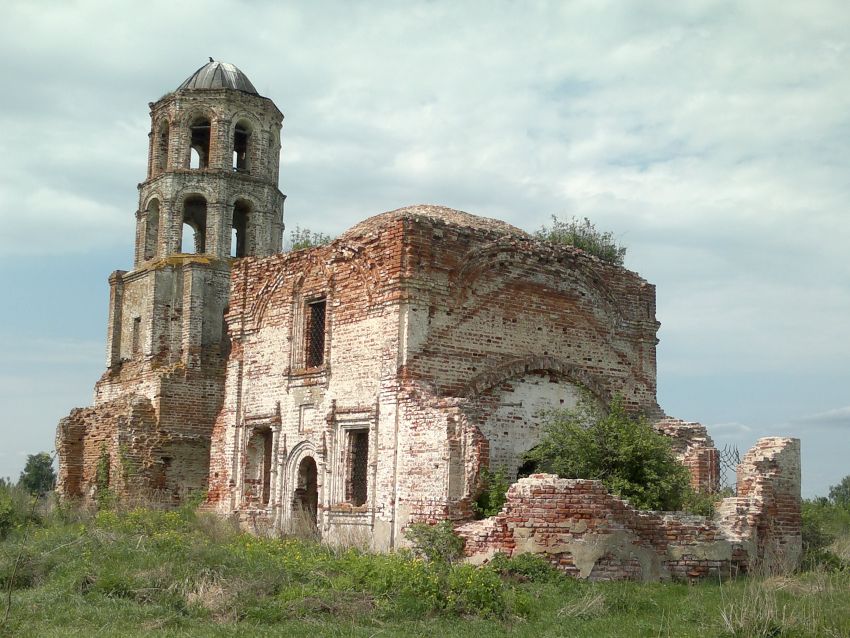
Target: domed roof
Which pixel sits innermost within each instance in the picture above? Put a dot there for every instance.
(447, 215)
(219, 75)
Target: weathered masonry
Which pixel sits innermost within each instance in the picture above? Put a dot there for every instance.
(210, 195)
(363, 385)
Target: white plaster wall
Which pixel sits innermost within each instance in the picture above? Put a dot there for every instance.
(516, 408)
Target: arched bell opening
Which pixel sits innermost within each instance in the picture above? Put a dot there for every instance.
(199, 144)
(241, 146)
(239, 232)
(194, 225)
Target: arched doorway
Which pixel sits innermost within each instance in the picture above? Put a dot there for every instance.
(305, 499)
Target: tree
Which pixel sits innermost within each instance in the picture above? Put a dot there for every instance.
(581, 233)
(38, 476)
(623, 451)
(300, 238)
(840, 494)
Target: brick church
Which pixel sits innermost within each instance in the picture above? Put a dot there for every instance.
(364, 384)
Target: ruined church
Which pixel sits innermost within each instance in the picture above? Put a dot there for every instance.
(365, 384)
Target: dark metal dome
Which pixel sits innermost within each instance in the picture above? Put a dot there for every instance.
(218, 75)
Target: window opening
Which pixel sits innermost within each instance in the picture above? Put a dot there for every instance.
(238, 238)
(357, 471)
(240, 147)
(305, 499)
(162, 148)
(200, 143)
(316, 333)
(195, 217)
(259, 466)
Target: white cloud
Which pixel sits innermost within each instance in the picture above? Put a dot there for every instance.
(835, 418)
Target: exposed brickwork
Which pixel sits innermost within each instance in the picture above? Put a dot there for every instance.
(363, 385)
(695, 449)
(585, 531)
(166, 346)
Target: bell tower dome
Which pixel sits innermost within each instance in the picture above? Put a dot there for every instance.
(213, 160)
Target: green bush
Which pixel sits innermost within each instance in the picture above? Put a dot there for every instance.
(621, 450)
(581, 233)
(16, 509)
(437, 543)
(824, 521)
(524, 567)
(491, 498)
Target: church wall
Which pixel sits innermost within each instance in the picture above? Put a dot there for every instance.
(486, 300)
(312, 411)
(497, 327)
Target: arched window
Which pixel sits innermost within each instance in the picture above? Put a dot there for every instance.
(199, 144)
(239, 236)
(241, 139)
(194, 225)
(151, 229)
(162, 143)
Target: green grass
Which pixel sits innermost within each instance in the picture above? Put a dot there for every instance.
(143, 573)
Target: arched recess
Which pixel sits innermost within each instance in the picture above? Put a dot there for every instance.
(194, 224)
(151, 229)
(240, 246)
(303, 487)
(305, 497)
(163, 140)
(200, 128)
(510, 404)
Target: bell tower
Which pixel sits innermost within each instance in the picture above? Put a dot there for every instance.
(212, 183)
(210, 196)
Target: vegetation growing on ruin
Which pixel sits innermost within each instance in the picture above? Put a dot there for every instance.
(582, 233)
(300, 238)
(141, 572)
(620, 449)
(493, 493)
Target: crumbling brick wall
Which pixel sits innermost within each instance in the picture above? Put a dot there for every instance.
(695, 449)
(586, 532)
(765, 515)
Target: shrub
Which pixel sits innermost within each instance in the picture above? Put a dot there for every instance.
(301, 238)
(494, 487)
(581, 233)
(16, 509)
(524, 567)
(824, 521)
(437, 543)
(623, 451)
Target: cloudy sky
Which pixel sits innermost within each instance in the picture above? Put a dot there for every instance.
(710, 136)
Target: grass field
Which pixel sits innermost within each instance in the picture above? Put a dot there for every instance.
(178, 573)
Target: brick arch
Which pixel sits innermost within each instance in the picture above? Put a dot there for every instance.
(299, 453)
(153, 195)
(526, 252)
(196, 188)
(521, 366)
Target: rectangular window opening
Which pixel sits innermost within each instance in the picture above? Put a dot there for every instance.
(315, 354)
(357, 467)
